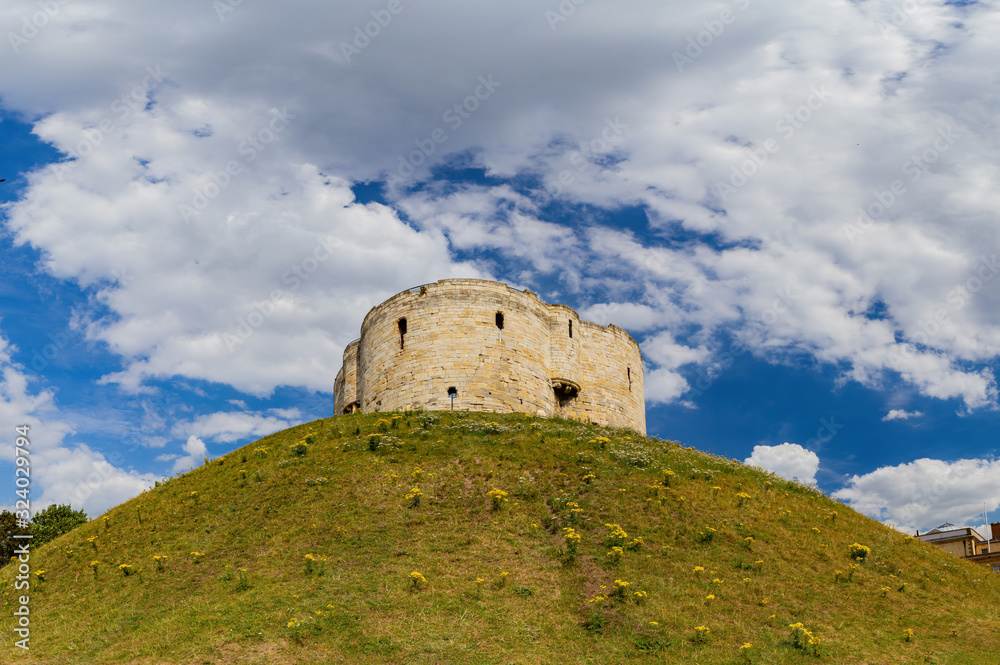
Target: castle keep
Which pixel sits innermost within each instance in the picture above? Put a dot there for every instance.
(484, 346)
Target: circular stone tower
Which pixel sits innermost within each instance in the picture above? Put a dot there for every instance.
(476, 345)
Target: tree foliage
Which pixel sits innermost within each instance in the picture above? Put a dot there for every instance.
(9, 529)
(55, 521)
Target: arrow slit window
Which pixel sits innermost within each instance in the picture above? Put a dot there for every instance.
(401, 324)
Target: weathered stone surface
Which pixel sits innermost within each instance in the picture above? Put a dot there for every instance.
(422, 343)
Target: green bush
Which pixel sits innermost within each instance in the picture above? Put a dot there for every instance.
(9, 529)
(54, 521)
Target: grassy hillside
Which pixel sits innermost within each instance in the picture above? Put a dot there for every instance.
(375, 539)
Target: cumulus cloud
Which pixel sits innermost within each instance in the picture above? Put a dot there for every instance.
(901, 414)
(229, 296)
(811, 183)
(663, 384)
(926, 492)
(788, 460)
(228, 426)
(195, 453)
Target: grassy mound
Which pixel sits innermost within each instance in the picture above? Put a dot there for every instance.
(482, 538)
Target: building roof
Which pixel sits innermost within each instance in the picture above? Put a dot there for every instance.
(936, 535)
(947, 526)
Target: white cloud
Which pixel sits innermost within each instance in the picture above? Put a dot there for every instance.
(228, 426)
(499, 219)
(196, 452)
(901, 414)
(87, 478)
(926, 492)
(61, 472)
(257, 295)
(663, 350)
(664, 384)
(780, 262)
(291, 414)
(788, 460)
(634, 317)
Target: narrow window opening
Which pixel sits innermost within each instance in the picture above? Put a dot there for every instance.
(500, 320)
(628, 371)
(571, 330)
(402, 331)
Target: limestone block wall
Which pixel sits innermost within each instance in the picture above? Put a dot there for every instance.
(612, 365)
(345, 387)
(496, 349)
(564, 343)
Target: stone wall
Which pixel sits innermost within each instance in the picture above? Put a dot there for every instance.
(496, 349)
(345, 387)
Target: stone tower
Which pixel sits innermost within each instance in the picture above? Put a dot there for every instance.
(484, 346)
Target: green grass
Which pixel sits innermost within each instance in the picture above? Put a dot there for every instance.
(500, 585)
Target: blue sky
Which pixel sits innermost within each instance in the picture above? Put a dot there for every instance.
(791, 208)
